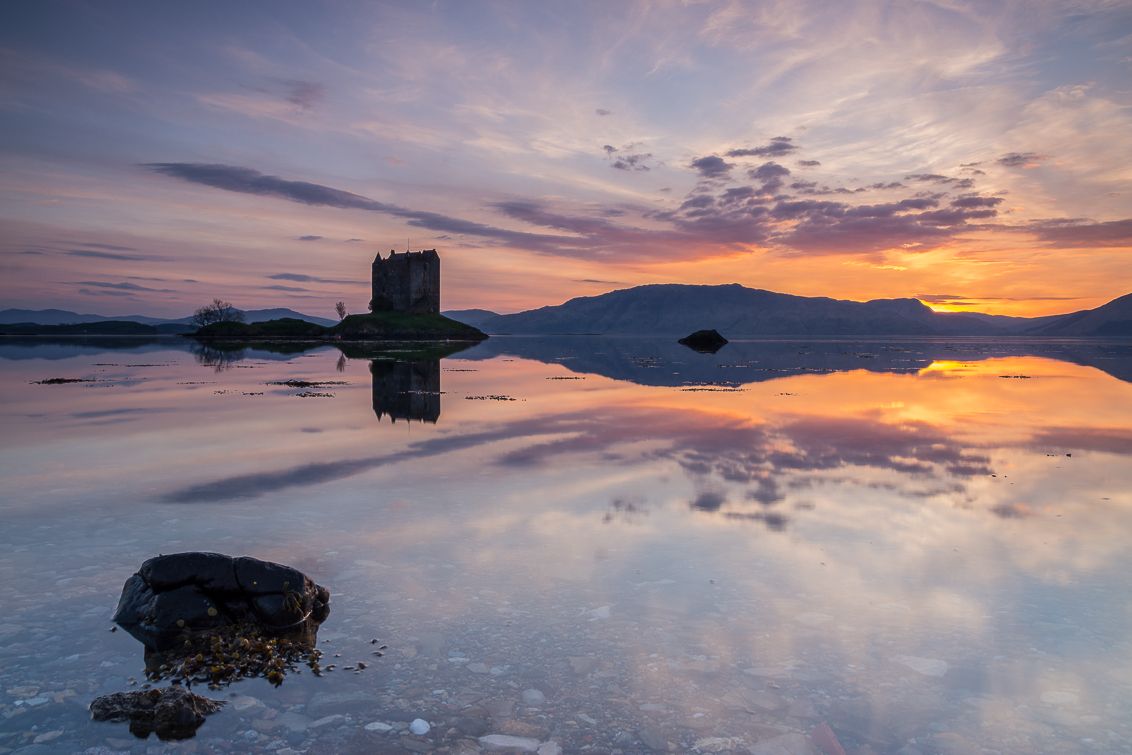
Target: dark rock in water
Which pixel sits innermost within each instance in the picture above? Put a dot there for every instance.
(171, 713)
(174, 598)
(704, 341)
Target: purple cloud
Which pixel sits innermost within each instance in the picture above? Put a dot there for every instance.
(778, 146)
(712, 166)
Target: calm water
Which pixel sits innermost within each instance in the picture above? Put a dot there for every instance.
(923, 545)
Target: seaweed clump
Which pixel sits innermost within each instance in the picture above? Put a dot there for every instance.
(234, 652)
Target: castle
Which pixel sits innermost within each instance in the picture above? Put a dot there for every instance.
(406, 282)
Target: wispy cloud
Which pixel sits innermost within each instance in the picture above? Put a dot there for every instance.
(124, 286)
(95, 254)
(779, 146)
(249, 181)
(304, 94)
(301, 278)
(1020, 160)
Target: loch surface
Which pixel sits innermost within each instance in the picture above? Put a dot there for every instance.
(599, 544)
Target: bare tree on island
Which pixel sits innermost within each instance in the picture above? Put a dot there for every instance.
(340, 308)
(218, 311)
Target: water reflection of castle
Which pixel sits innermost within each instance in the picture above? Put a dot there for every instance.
(406, 390)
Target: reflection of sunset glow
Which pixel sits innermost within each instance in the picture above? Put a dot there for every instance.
(893, 535)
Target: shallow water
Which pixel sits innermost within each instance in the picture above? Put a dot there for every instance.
(612, 545)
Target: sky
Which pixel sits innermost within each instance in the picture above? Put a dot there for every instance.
(975, 155)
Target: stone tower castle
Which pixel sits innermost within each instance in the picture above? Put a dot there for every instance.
(406, 282)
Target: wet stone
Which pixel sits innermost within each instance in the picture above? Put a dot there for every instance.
(171, 713)
(472, 726)
(509, 742)
(379, 726)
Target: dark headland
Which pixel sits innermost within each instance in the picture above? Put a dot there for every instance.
(374, 326)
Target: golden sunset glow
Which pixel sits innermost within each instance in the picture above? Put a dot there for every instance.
(976, 161)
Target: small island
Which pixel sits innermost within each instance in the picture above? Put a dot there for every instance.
(405, 306)
(375, 326)
(704, 341)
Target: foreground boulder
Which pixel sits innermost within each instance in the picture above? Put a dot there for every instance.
(705, 341)
(171, 713)
(176, 598)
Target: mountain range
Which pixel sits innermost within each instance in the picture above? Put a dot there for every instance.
(737, 312)
(673, 310)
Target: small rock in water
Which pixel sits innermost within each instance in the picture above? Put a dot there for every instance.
(508, 742)
(533, 697)
(378, 726)
(550, 748)
(602, 612)
(172, 712)
(419, 726)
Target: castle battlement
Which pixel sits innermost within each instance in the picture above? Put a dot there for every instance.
(406, 282)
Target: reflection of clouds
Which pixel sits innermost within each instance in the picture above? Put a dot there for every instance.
(1113, 440)
(706, 446)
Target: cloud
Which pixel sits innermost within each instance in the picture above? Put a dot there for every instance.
(310, 238)
(963, 299)
(602, 111)
(633, 161)
(107, 247)
(712, 166)
(123, 286)
(304, 94)
(1076, 232)
(771, 175)
(301, 278)
(809, 163)
(936, 178)
(105, 292)
(249, 181)
(285, 288)
(1020, 160)
(708, 501)
(970, 201)
(107, 255)
(778, 146)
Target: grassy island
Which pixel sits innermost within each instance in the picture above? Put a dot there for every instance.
(376, 326)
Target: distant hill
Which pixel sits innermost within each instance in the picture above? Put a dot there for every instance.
(473, 317)
(64, 317)
(737, 312)
(1112, 319)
